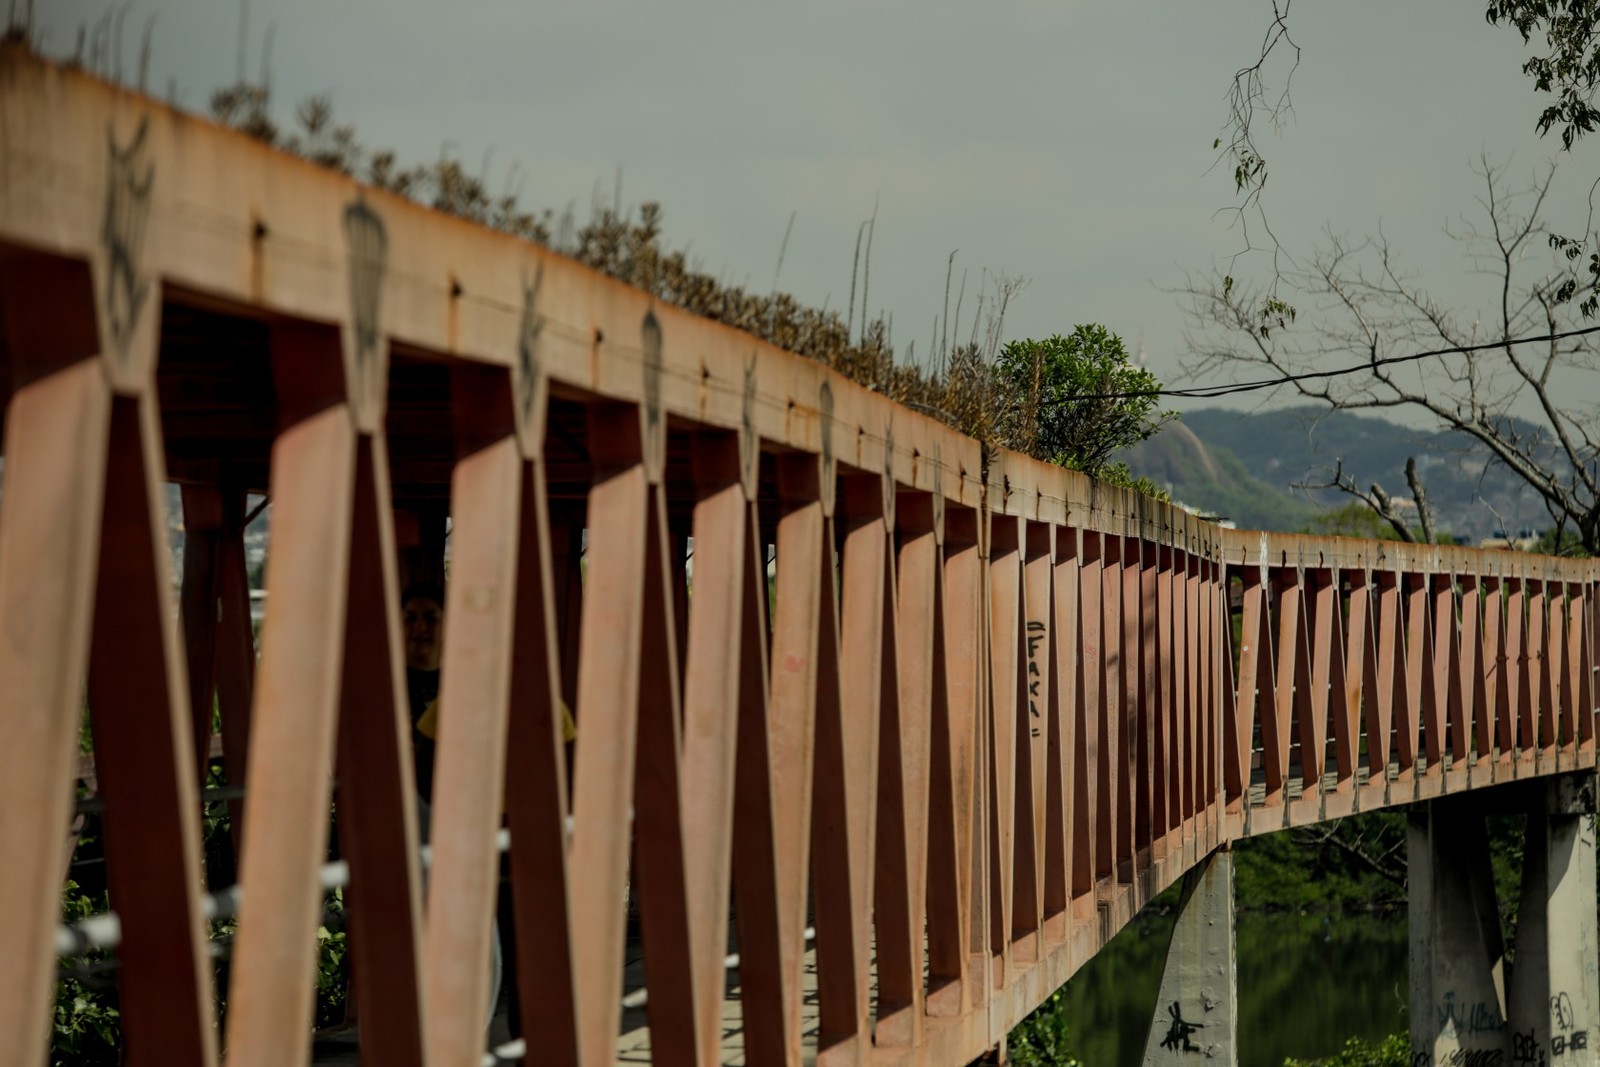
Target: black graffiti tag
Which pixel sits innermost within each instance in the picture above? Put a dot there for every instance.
(1561, 1013)
(1179, 1032)
(1036, 634)
(1525, 1050)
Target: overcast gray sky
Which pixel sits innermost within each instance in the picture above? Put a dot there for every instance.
(1066, 142)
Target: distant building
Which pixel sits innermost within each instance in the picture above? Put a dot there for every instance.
(1525, 541)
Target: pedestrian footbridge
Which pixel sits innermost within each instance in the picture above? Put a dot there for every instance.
(879, 737)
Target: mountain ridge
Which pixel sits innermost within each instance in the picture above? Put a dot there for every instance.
(1263, 469)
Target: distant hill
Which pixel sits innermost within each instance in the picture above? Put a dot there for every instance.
(1215, 481)
(1245, 465)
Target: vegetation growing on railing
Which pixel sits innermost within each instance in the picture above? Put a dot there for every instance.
(1045, 398)
(962, 382)
(952, 383)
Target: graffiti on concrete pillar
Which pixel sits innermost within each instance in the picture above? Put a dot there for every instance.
(1179, 1032)
(1461, 1057)
(1561, 1044)
(1565, 1036)
(1036, 632)
(1461, 1021)
(130, 176)
(1525, 1050)
(1562, 1016)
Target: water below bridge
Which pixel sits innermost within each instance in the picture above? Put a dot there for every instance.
(1307, 983)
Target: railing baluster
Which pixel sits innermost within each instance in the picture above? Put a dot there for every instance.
(1062, 795)
(377, 814)
(1199, 736)
(1579, 683)
(607, 710)
(1087, 760)
(1412, 715)
(1128, 709)
(1536, 688)
(536, 782)
(1146, 827)
(1109, 778)
(1513, 679)
(1323, 636)
(1007, 671)
(1448, 695)
(1497, 684)
(475, 688)
(1345, 707)
(1165, 749)
(847, 770)
(804, 684)
(1033, 747)
(1275, 729)
(297, 694)
(956, 952)
(718, 617)
(1470, 664)
(1213, 651)
(903, 782)
(143, 735)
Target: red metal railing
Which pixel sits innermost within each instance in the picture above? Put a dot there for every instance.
(973, 721)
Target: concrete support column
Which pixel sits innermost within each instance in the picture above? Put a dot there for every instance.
(1555, 992)
(1197, 1010)
(1457, 959)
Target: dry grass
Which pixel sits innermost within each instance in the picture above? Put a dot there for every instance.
(954, 383)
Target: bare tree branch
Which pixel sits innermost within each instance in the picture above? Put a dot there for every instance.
(1358, 299)
(1380, 502)
(1424, 512)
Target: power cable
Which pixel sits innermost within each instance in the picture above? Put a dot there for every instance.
(1214, 391)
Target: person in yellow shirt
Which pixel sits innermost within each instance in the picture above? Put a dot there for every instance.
(422, 616)
(422, 619)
